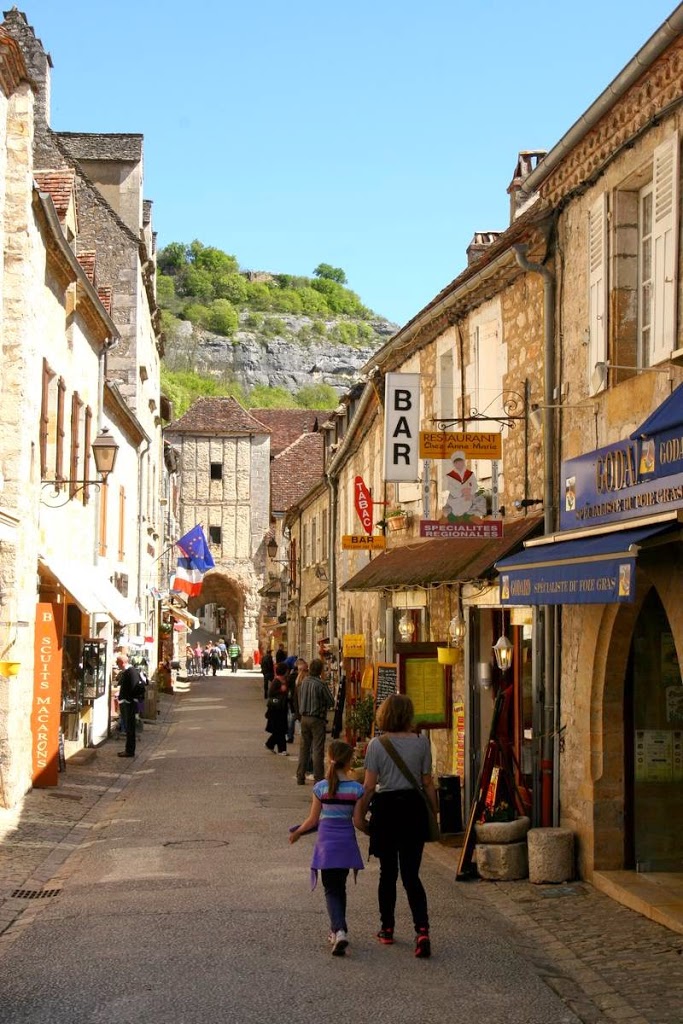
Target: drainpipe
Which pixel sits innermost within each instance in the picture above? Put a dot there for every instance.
(549, 788)
(141, 456)
(333, 485)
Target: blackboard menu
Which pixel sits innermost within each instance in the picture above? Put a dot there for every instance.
(386, 682)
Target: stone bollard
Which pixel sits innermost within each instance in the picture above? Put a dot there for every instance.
(551, 855)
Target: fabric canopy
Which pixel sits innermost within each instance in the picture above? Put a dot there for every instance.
(182, 615)
(76, 579)
(434, 562)
(597, 569)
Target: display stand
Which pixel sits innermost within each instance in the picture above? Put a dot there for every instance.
(499, 763)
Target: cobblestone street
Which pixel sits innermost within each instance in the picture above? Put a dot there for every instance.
(603, 961)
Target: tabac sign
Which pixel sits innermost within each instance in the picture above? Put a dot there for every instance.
(623, 480)
(364, 504)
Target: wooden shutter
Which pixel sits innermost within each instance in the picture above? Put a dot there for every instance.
(102, 537)
(122, 523)
(665, 247)
(48, 374)
(76, 406)
(59, 457)
(87, 442)
(292, 562)
(597, 256)
(309, 638)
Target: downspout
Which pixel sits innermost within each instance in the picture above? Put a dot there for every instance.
(549, 800)
(141, 456)
(333, 485)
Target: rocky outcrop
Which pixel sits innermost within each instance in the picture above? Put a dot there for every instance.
(291, 358)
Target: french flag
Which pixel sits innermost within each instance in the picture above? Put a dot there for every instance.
(195, 560)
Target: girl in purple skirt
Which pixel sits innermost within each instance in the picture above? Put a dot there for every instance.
(336, 850)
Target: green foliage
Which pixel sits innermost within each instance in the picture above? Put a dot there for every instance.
(330, 273)
(262, 396)
(223, 318)
(165, 290)
(360, 716)
(317, 396)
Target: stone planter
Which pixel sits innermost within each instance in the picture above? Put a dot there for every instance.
(502, 831)
(502, 862)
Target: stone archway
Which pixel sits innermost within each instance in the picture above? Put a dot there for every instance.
(235, 590)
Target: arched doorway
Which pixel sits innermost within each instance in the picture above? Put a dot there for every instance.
(653, 744)
(228, 595)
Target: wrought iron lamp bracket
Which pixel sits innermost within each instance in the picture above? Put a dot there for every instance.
(514, 408)
(72, 489)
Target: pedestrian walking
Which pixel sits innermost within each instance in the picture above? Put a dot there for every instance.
(399, 823)
(130, 687)
(336, 850)
(293, 703)
(276, 711)
(268, 671)
(223, 651)
(215, 660)
(234, 651)
(206, 659)
(315, 700)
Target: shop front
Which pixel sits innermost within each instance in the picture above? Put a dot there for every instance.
(614, 572)
(78, 620)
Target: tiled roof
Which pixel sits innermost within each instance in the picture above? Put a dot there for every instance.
(60, 185)
(105, 294)
(288, 424)
(216, 416)
(295, 471)
(87, 261)
(425, 562)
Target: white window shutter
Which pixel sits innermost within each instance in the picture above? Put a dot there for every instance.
(597, 257)
(665, 247)
(309, 638)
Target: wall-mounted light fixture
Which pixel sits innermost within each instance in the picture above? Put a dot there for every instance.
(601, 371)
(104, 449)
(320, 573)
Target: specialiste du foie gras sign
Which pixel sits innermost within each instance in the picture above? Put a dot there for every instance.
(625, 480)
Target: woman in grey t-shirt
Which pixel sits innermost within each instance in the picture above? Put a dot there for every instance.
(398, 825)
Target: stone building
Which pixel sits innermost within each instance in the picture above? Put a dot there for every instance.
(73, 575)
(224, 477)
(613, 557)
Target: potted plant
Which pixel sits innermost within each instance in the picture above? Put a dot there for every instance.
(360, 717)
(396, 519)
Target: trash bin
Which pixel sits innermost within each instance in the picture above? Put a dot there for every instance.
(450, 806)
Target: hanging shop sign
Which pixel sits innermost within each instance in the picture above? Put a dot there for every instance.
(361, 542)
(363, 503)
(623, 480)
(353, 645)
(608, 581)
(440, 444)
(47, 694)
(401, 427)
(470, 529)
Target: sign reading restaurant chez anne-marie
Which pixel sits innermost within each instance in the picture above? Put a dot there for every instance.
(441, 444)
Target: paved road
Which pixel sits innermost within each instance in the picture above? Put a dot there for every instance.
(179, 899)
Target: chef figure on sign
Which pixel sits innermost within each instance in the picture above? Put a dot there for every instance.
(461, 482)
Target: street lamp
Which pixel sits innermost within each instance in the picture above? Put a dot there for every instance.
(104, 450)
(502, 650)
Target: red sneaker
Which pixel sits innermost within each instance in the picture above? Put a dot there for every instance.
(386, 936)
(423, 947)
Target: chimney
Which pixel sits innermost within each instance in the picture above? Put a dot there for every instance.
(481, 241)
(527, 161)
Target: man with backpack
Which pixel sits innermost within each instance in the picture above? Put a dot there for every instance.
(131, 689)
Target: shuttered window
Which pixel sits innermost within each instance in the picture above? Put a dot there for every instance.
(597, 254)
(665, 188)
(122, 524)
(102, 526)
(87, 443)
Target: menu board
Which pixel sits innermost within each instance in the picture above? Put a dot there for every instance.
(424, 681)
(385, 681)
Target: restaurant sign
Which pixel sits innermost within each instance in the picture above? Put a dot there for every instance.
(361, 542)
(634, 477)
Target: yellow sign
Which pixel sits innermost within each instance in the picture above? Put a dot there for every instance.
(459, 738)
(368, 680)
(353, 645)
(440, 444)
(361, 542)
(425, 684)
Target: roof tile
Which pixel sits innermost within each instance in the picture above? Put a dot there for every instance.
(295, 471)
(60, 185)
(287, 425)
(222, 415)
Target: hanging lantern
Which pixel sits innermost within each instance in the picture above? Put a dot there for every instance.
(406, 628)
(502, 650)
(457, 629)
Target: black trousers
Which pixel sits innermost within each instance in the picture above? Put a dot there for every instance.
(397, 835)
(334, 884)
(127, 711)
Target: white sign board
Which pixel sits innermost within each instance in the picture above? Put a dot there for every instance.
(402, 427)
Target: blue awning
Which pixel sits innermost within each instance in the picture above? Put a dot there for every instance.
(598, 569)
(666, 416)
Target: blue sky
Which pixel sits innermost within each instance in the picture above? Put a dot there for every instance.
(376, 135)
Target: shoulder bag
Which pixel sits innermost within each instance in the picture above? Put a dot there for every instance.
(433, 833)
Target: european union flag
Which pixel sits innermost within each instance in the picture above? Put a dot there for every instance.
(195, 548)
